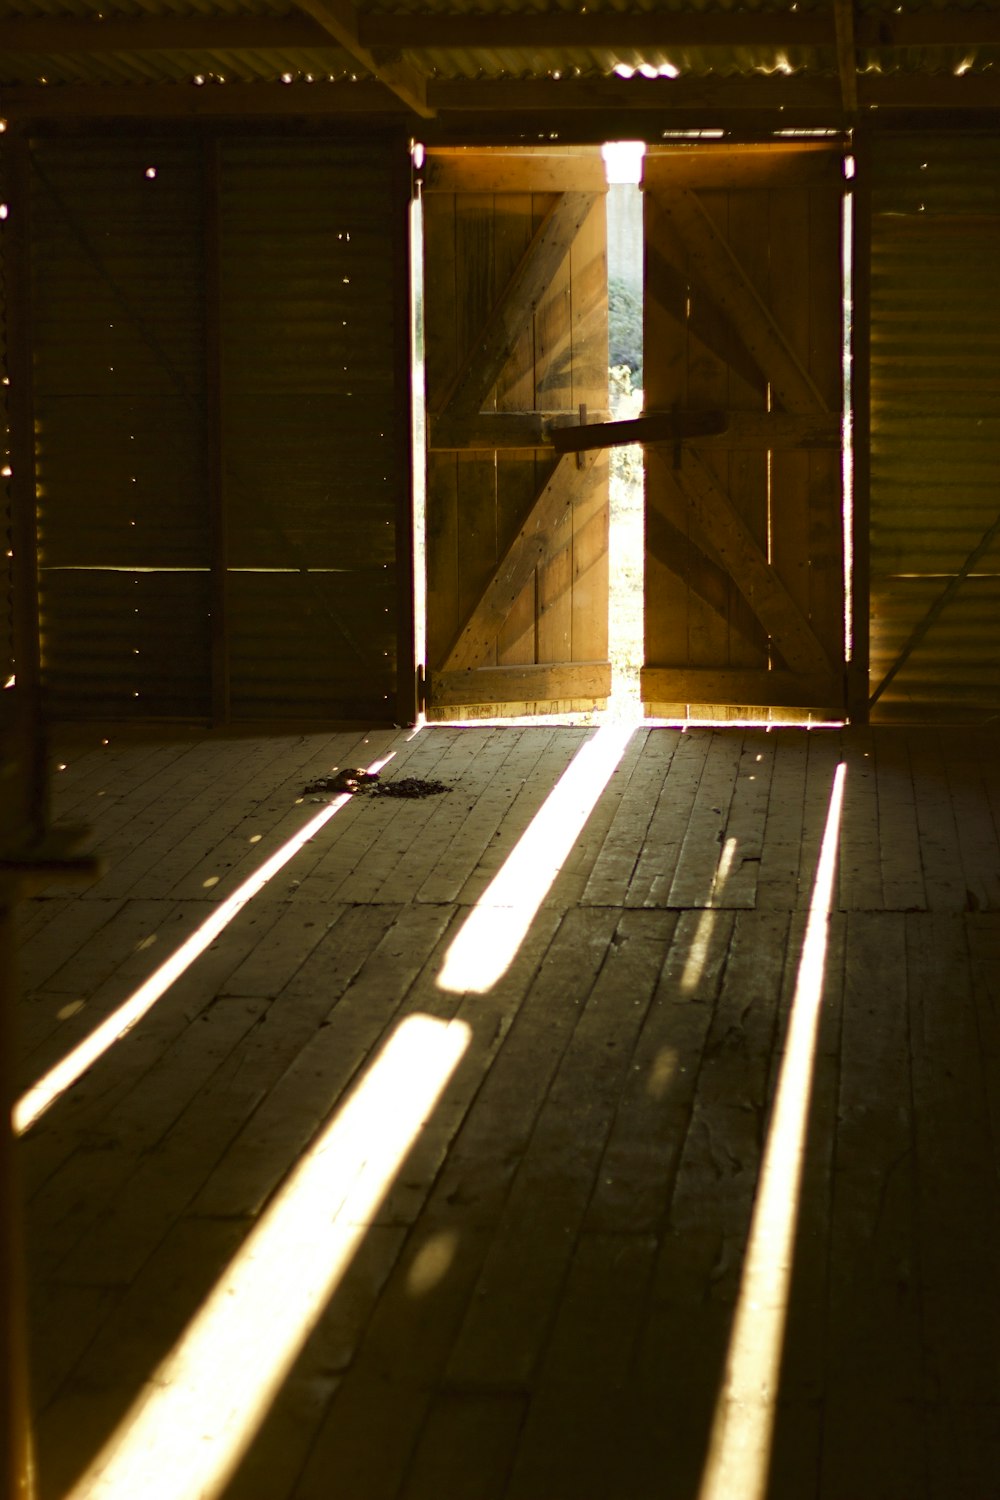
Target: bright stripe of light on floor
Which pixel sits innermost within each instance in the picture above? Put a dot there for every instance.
(494, 930)
(739, 1454)
(199, 1412)
(73, 1066)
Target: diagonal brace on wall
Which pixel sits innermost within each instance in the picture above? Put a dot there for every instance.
(510, 316)
(941, 603)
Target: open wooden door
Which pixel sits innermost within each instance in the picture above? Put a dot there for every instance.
(744, 530)
(515, 318)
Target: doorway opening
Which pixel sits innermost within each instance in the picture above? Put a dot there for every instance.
(618, 396)
(557, 571)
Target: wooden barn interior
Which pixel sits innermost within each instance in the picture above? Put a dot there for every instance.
(601, 1101)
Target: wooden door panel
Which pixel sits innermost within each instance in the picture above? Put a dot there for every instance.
(516, 341)
(744, 575)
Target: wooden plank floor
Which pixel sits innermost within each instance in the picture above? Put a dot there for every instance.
(539, 1302)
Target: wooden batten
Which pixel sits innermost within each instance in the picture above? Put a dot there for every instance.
(538, 683)
(463, 169)
(737, 685)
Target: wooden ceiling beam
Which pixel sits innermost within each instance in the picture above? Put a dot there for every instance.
(340, 18)
(932, 28)
(416, 31)
(518, 111)
(60, 35)
(183, 101)
(774, 90)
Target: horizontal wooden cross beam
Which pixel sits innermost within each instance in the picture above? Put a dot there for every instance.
(759, 431)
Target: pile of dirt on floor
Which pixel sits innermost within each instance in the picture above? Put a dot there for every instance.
(369, 784)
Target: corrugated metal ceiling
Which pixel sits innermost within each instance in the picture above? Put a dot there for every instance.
(84, 63)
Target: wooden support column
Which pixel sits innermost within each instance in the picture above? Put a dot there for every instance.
(407, 705)
(218, 520)
(21, 408)
(861, 201)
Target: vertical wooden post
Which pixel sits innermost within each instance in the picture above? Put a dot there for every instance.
(24, 527)
(15, 1434)
(857, 681)
(218, 529)
(402, 194)
(21, 406)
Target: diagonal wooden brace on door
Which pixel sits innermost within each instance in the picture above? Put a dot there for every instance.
(508, 319)
(530, 547)
(724, 280)
(740, 554)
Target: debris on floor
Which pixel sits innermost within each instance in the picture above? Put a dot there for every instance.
(354, 779)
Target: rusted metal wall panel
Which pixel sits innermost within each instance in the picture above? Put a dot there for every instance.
(312, 469)
(935, 411)
(119, 398)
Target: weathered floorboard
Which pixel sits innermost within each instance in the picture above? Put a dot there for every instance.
(542, 1297)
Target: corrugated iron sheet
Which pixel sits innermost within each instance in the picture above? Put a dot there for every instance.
(308, 421)
(120, 426)
(311, 466)
(936, 421)
(463, 64)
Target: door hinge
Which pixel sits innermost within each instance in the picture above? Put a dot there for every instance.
(421, 687)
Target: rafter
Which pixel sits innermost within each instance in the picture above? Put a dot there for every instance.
(340, 19)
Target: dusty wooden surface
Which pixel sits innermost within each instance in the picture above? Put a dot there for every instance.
(540, 1307)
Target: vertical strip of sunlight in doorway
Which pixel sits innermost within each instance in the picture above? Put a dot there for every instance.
(494, 930)
(200, 1410)
(739, 1453)
(73, 1066)
(623, 165)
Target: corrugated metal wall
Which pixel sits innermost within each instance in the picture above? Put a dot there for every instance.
(120, 427)
(311, 473)
(935, 477)
(308, 458)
